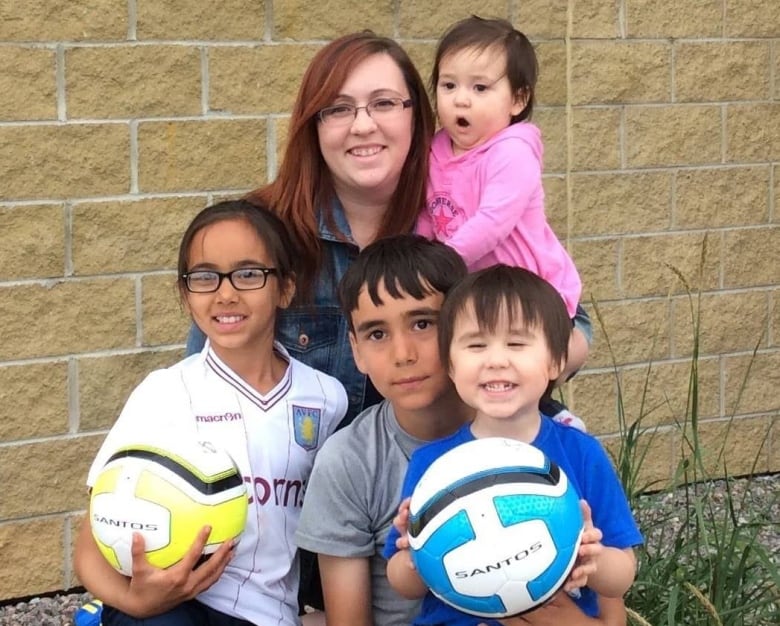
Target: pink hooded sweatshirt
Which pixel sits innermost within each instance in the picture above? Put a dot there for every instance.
(488, 204)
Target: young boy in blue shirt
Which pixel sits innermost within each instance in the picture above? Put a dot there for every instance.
(503, 333)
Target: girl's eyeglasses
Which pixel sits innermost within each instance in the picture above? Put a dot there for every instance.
(243, 279)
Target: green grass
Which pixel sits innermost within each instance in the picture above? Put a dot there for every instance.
(702, 563)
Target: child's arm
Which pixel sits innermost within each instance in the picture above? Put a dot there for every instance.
(346, 590)
(615, 572)
(513, 176)
(150, 591)
(608, 571)
(401, 572)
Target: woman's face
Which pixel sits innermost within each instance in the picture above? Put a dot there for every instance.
(365, 156)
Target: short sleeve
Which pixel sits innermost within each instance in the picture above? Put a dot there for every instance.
(607, 499)
(154, 407)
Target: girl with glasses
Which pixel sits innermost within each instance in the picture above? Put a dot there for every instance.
(237, 268)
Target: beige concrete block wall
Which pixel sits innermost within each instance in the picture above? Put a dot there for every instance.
(119, 119)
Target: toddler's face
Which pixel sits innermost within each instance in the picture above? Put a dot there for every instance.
(474, 99)
(501, 373)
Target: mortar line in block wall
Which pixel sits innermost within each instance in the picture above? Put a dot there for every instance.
(204, 80)
(139, 311)
(569, 122)
(569, 146)
(63, 358)
(268, 34)
(220, 117)
(62, 111)
(67, 216)
(132, 20)
(67, 541)
(74, 415)
(133, 165)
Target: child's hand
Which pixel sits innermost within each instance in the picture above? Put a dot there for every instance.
(401, 523)
(158, 590)
(590, 548)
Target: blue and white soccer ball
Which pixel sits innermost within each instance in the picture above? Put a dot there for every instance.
(494, 527)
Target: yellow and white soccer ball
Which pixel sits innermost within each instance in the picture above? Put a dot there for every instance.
(167, 493)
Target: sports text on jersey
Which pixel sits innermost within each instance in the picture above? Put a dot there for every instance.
(276, 491)
(224, 417)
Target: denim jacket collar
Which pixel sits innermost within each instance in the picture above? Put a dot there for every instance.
(340, 220)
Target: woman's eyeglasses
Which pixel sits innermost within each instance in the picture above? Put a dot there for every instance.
(381, 108)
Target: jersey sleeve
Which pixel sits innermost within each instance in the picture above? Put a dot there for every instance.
(513, 174)
(335, 519)
(154, 407)
(335, 400)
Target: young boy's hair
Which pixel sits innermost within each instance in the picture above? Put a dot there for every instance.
(482, 34)
(403, 264)
(516, 291)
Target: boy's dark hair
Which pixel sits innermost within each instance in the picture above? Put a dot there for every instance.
(403, 264)
(269, 228)
(519, 292)
(479, 33)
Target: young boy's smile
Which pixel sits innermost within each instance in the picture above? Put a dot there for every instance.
(395, 343)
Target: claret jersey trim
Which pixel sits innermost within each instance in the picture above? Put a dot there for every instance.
(266, 403)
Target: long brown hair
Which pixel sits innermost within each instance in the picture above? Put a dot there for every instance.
(304, 184)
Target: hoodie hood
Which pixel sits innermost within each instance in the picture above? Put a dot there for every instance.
(441, 148)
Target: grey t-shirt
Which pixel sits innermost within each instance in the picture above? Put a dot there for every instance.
(352, 496)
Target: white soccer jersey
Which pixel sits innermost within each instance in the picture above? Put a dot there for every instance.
(273, 438)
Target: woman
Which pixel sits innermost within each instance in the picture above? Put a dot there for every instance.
(353, 171)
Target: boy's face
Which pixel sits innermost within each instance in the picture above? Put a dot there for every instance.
(395, 344)
(503, 373)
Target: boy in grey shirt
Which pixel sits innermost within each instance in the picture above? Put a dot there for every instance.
(391, 295)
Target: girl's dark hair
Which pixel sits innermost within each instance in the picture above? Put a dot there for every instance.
(481, 34)
(304, 185)
(267, 225)
(519, 293)
(404, 263)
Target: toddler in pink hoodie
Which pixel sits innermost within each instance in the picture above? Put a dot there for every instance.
(485, 195)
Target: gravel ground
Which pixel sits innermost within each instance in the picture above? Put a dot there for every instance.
(58, 610)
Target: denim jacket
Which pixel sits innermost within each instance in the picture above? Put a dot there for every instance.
(317, 333)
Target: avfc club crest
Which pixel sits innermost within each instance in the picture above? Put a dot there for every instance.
(306, 423)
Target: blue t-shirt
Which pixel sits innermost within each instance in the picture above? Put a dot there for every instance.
(590, 471)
